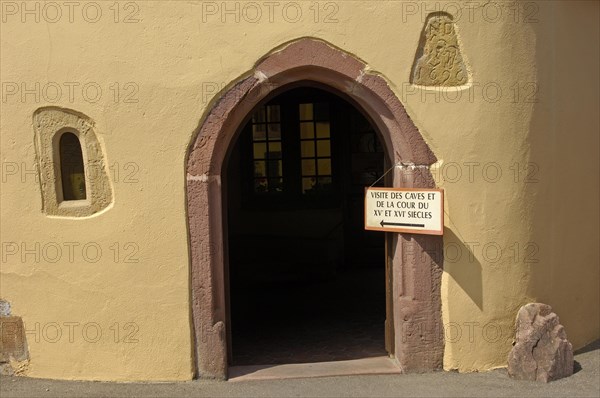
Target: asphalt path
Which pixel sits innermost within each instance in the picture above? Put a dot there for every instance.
(585, 382)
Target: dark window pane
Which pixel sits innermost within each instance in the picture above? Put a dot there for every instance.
(258, 132)
(275, 184)
(71, 168)
(323, 130)
(307, 130)
(308, 167)
(260, 150)
(267, 151)
(325, 183)
(260, 185)
(273, 113)
(275, 169)
(259, 115)
(274, 131)
(324, 167)
(306, 111)
(321, 111)
(307, 148)
(260, 169)
(323, 148)
(308, 184)
(275, 150)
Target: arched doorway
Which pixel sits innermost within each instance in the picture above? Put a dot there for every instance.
(306, 281)
(414, 261)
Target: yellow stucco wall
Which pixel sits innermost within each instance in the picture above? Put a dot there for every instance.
(564, 140)
(165, 66)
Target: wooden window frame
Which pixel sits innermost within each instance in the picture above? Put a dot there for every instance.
(292, 196)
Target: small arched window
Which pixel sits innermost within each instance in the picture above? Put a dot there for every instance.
(72, 170)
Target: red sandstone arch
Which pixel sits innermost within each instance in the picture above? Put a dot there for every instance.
(416, 264)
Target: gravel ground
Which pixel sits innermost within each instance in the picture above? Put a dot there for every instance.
(584, 383)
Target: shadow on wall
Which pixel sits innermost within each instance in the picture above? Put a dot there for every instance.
(562, 184)
(463, 267)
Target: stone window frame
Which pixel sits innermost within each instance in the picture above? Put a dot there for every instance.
(416, 261)
(49, 124)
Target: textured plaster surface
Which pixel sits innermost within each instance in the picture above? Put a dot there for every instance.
(561, 127)
(179, 64)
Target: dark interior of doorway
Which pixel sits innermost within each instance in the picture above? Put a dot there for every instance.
(306, 281)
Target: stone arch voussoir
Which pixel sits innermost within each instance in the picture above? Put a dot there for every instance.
(417, 260)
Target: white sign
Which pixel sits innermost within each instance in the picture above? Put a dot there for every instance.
(412, 210)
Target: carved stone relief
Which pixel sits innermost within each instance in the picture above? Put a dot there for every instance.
(439, 61)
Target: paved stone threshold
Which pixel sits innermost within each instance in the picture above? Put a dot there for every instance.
(363, 366)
